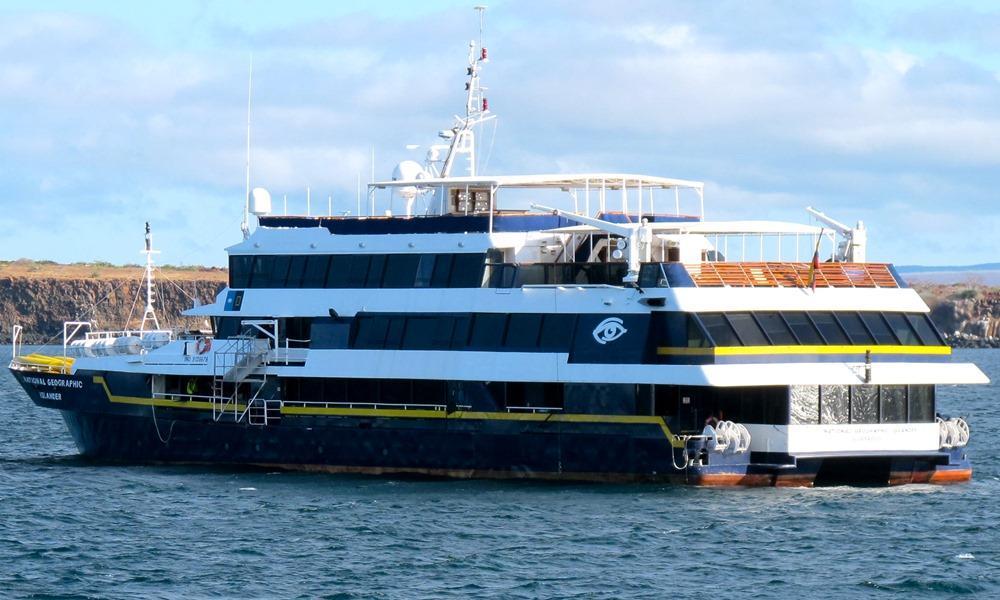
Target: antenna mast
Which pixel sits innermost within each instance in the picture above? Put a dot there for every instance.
(149, 315)
(477, 107)
(245, 226)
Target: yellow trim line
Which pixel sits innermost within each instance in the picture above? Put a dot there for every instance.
(765, 350)
(412, 414)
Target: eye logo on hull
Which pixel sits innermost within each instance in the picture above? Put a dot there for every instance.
(609, 330)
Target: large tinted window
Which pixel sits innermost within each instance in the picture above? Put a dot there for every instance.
(803, 328)
(400, 270)
(262, 272)
(442, 270)
(371, 332)
(296, 269)
(376, 268)
(901, 327)
(428, 333)
(829, 328)
(855, 328)
(239, 271)
(487, 331)
(557, 331)
(523, 331)
(314, 275)
(775, 328)
(879, 328)
(747, 330)
(425, 270)
(719, 328)
(928, 335)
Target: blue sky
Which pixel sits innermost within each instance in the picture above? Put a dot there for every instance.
(116, 113)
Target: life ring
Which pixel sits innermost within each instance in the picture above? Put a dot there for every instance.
(191, 387)
(203, 345)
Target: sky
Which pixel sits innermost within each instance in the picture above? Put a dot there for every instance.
(112, 113)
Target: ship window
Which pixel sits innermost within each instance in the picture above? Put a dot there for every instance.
(400, 270)
(239, 271)
(719, 328)
(925, 329)
(864, 404)
(314, 275)
(747, 329)
(428, 333)
(442, 270)
(855, 329)
(375, 266)
(901, 327)
(429, 391)
(279, 274)
(487, 331)
(467, 271)
(460, 335)
(362, 391)
(829, 328)
(695, 333)
(775, 328)
(262, 272)
(804, 404)
(296, 268)
(394, 391)
(371, 332)
(803, 328)
(425, 269)
(338, 271)
(879, 328)
(394, 333)
(921, 403)
(330, 333)
(835, 404)
(523, 331)
(557, 331)
(893, 403)
(531, 274)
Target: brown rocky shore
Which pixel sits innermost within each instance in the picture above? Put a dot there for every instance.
(41, 295)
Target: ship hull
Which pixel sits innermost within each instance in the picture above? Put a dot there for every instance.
(132, 429)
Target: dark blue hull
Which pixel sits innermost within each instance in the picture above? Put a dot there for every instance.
(126, 427)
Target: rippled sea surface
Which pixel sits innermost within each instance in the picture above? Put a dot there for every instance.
(73, 529)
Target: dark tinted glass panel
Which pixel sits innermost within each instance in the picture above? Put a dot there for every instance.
(775, 328)
(803, 328)
(467, 271)
(315, 273)
(487, 331)
(376, 268)
(879, 328)
(429, 391)
(425, 269)
(828, 326)
(835, 404)
(394, 391)
(442, 270)
(262, 272)
(531, 274)
(921, 402)
(394, 334)
(893, 403)
(747, 329)
(371, 332)
(901, 327)
(296, 268)
(362, 391)
(695, 335)
(239, 271)
(460, 335)
(720, 330)
(501, 276)
(922, 323)
(557, 331)
(338, 271)
(279, 276)
(856, 330)
(428, 333)
(864, 404)
(330, 333)
(523, 331)
(400, 270)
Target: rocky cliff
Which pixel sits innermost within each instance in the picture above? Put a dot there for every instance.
(968, 315)
(40, 297)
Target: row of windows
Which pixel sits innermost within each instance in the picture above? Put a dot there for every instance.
(841, 404)
(357, 271)
(818, 328)
(477, 331)
(507, 275)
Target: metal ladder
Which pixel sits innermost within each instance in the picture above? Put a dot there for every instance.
(232, 366)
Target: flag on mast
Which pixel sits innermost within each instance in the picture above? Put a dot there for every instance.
(814, 266)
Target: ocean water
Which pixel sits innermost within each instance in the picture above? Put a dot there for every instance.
(77, 530)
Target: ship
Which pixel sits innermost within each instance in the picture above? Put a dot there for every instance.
(573, 327)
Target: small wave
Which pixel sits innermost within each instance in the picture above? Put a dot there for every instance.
(966, 556)
(248, 489)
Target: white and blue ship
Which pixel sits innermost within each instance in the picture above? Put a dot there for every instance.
(591, 326)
